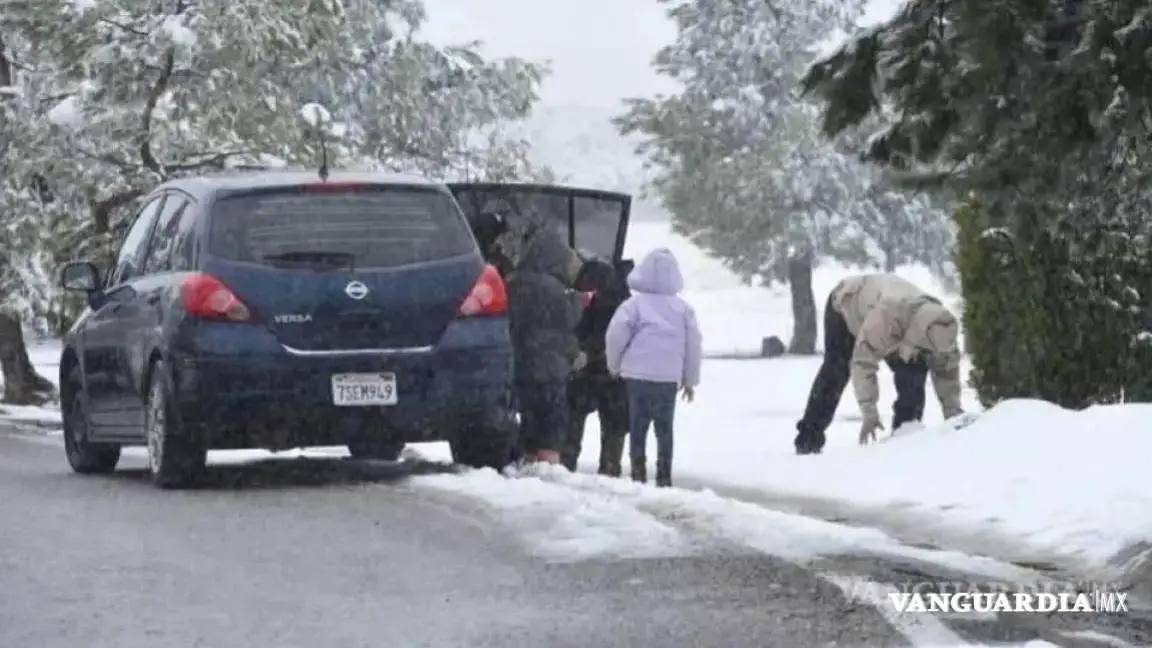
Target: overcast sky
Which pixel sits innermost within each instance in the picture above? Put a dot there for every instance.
(600, 50)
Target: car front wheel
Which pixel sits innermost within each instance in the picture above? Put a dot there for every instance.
(85, 456)
(174, 460)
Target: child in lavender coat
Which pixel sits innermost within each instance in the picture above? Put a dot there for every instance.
(654, 342)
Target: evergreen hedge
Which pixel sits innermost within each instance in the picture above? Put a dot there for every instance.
(1061, 314)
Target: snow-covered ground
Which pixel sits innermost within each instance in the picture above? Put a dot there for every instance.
(1067, 484)
(45, 356)
(1026, 481)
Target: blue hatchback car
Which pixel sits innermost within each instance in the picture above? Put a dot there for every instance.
(280, 310)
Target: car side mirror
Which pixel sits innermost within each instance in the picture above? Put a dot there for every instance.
(81, 276)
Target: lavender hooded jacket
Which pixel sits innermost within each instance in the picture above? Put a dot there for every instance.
(654, 335)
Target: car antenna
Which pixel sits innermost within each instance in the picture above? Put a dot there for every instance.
(323, 156)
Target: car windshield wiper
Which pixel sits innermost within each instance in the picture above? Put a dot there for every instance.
(314, 258)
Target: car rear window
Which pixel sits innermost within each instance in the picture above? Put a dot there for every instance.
(371, 228)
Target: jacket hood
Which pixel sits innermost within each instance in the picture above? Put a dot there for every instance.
(547, 254)
(657, 274)
(934, 329)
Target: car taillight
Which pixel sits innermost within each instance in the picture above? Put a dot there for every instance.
(207, 297)
(488, 296)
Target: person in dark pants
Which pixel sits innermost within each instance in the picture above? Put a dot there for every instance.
(654, 342)
(543, 317)
(881, 317)
(591, 388)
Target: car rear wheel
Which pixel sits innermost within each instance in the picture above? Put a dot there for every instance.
(375, 449)
(85, 456)
(483, 448)
(174, 460)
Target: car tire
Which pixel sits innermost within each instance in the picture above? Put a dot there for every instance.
(483, 448)
(381, 449)
(174, 460)
(84, 456)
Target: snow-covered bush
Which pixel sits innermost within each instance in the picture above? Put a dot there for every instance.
(1057, 315)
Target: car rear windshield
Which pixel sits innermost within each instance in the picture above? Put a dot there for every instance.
(365, 228)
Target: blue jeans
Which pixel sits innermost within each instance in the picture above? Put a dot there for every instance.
(651, 403)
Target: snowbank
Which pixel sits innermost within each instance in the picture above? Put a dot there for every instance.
(1066, 485)
(564, 517)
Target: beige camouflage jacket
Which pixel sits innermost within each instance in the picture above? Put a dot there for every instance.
(889, 315)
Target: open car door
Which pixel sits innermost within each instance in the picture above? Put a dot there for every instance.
(595, 223)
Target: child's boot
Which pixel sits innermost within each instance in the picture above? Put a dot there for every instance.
(663, 474)
(640, 470)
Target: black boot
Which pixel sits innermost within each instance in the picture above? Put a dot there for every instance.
(611, 449)
(640, 470)
(663, 474)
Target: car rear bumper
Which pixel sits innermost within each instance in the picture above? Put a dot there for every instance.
(238, 387)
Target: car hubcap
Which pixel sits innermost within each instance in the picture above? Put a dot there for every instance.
(156, 422)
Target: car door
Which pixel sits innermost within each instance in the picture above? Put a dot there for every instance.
(150, 295)
(112, 401)
(593, 222)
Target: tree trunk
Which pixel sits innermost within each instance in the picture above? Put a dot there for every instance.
(6, 75)
(803, 304)
(22, 385)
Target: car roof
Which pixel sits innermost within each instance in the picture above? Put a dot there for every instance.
(207, 185)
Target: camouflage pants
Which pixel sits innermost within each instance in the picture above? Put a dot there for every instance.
(606, 396)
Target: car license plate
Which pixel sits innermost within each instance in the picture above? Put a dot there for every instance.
(364, 389)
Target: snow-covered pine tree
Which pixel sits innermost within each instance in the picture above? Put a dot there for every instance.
(740, 164)
(116, 95)
(1042, 111)
(21, 252)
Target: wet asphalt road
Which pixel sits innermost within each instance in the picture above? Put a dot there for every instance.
(338, 553)
(342, 553)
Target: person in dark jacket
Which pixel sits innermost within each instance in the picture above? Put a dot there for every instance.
(488, 228)
(591, 388)
(543, 316)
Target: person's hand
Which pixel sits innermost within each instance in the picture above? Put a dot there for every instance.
(580, 362)
(689, 394)
(868, 430)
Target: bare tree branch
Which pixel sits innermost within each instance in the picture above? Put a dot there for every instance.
(207, 160)
(123, 27)
(147, 157)
(102, 209)
(6, 75)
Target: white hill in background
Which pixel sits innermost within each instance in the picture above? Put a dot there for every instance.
(582, 146)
